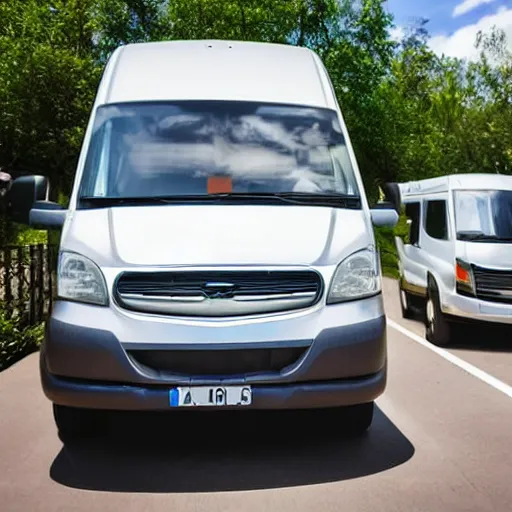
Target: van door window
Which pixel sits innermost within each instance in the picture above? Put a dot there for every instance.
(436, 224)
(413, 213)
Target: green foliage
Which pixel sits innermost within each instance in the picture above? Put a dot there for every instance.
(445, 116)
(31, 237)
(411, 114)
(48, 78)
(15, 342)
(294, 21)
(385, 238)
(119, 22)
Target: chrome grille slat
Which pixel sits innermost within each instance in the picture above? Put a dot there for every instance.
(236, 297)
(218, 293)
(277, 296)
(493, 285)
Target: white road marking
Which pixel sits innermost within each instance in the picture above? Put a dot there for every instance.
(464, 365)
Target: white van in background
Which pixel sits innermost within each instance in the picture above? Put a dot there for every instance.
(457, 261)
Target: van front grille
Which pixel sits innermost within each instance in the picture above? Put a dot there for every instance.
(218, 293)
(493, 285)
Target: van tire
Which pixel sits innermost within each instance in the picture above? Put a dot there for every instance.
(73, 423)
(438, 329)
(354, 420)
(405, 303)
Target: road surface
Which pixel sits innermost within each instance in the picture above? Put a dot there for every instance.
(441, 441)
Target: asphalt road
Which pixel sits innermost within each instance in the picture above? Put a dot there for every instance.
(441, 441)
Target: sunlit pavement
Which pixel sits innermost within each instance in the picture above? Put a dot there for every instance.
(441, 441)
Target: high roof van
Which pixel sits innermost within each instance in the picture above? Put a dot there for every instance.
(456, 263)
(218, 249)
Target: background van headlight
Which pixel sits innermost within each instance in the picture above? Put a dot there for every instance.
(356, 277)
(80, 280)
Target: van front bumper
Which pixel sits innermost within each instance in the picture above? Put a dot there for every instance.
(472, 309)
(87, 357)
(304, 395)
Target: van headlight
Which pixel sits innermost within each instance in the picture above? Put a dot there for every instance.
(80, 280)
(356, 277)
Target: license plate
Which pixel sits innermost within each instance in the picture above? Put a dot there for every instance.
(210, 396)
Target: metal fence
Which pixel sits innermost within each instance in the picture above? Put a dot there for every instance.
(27, 282)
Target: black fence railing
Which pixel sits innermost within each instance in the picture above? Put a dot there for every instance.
(27, 282)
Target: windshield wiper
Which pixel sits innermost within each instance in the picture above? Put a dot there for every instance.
(296, 198)
(114, 201)
(475, 236)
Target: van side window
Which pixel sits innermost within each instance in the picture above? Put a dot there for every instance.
(413, 213)
(436, 223)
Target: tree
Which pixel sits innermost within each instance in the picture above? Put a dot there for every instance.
(47, 84)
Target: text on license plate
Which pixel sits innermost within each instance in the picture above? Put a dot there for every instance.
(210, 396)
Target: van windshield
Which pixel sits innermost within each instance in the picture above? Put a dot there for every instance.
(483, 215)
(149, 150)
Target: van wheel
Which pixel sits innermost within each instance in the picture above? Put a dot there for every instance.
(405, 304)
(438, 330)
(73, 423)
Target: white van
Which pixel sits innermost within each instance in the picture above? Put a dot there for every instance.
(458, 257)
(218, 249)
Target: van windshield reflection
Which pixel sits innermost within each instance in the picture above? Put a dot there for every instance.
(196, 149)
(484, 215)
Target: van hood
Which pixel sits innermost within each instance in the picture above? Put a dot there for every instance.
(206, 235)
(489, 255)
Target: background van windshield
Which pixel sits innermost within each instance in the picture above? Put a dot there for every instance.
(483, 213)
(173, 149)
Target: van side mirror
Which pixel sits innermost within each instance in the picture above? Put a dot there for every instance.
(27, 203)
(384, 216)
(386, 213)
(23, 193)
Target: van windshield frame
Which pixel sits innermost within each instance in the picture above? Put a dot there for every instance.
(178, 149)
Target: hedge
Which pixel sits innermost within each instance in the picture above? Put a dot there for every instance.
(16, 343)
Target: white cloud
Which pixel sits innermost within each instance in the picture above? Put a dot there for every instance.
(461, 43)
(468, 5)
(397, 33)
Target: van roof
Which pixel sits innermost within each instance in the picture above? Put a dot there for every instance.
(216, 70)
(455, 182)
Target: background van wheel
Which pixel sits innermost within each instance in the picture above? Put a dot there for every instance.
(438, 329)
(73, 423)
(405, 303)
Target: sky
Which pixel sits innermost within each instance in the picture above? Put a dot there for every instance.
(453, 24)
